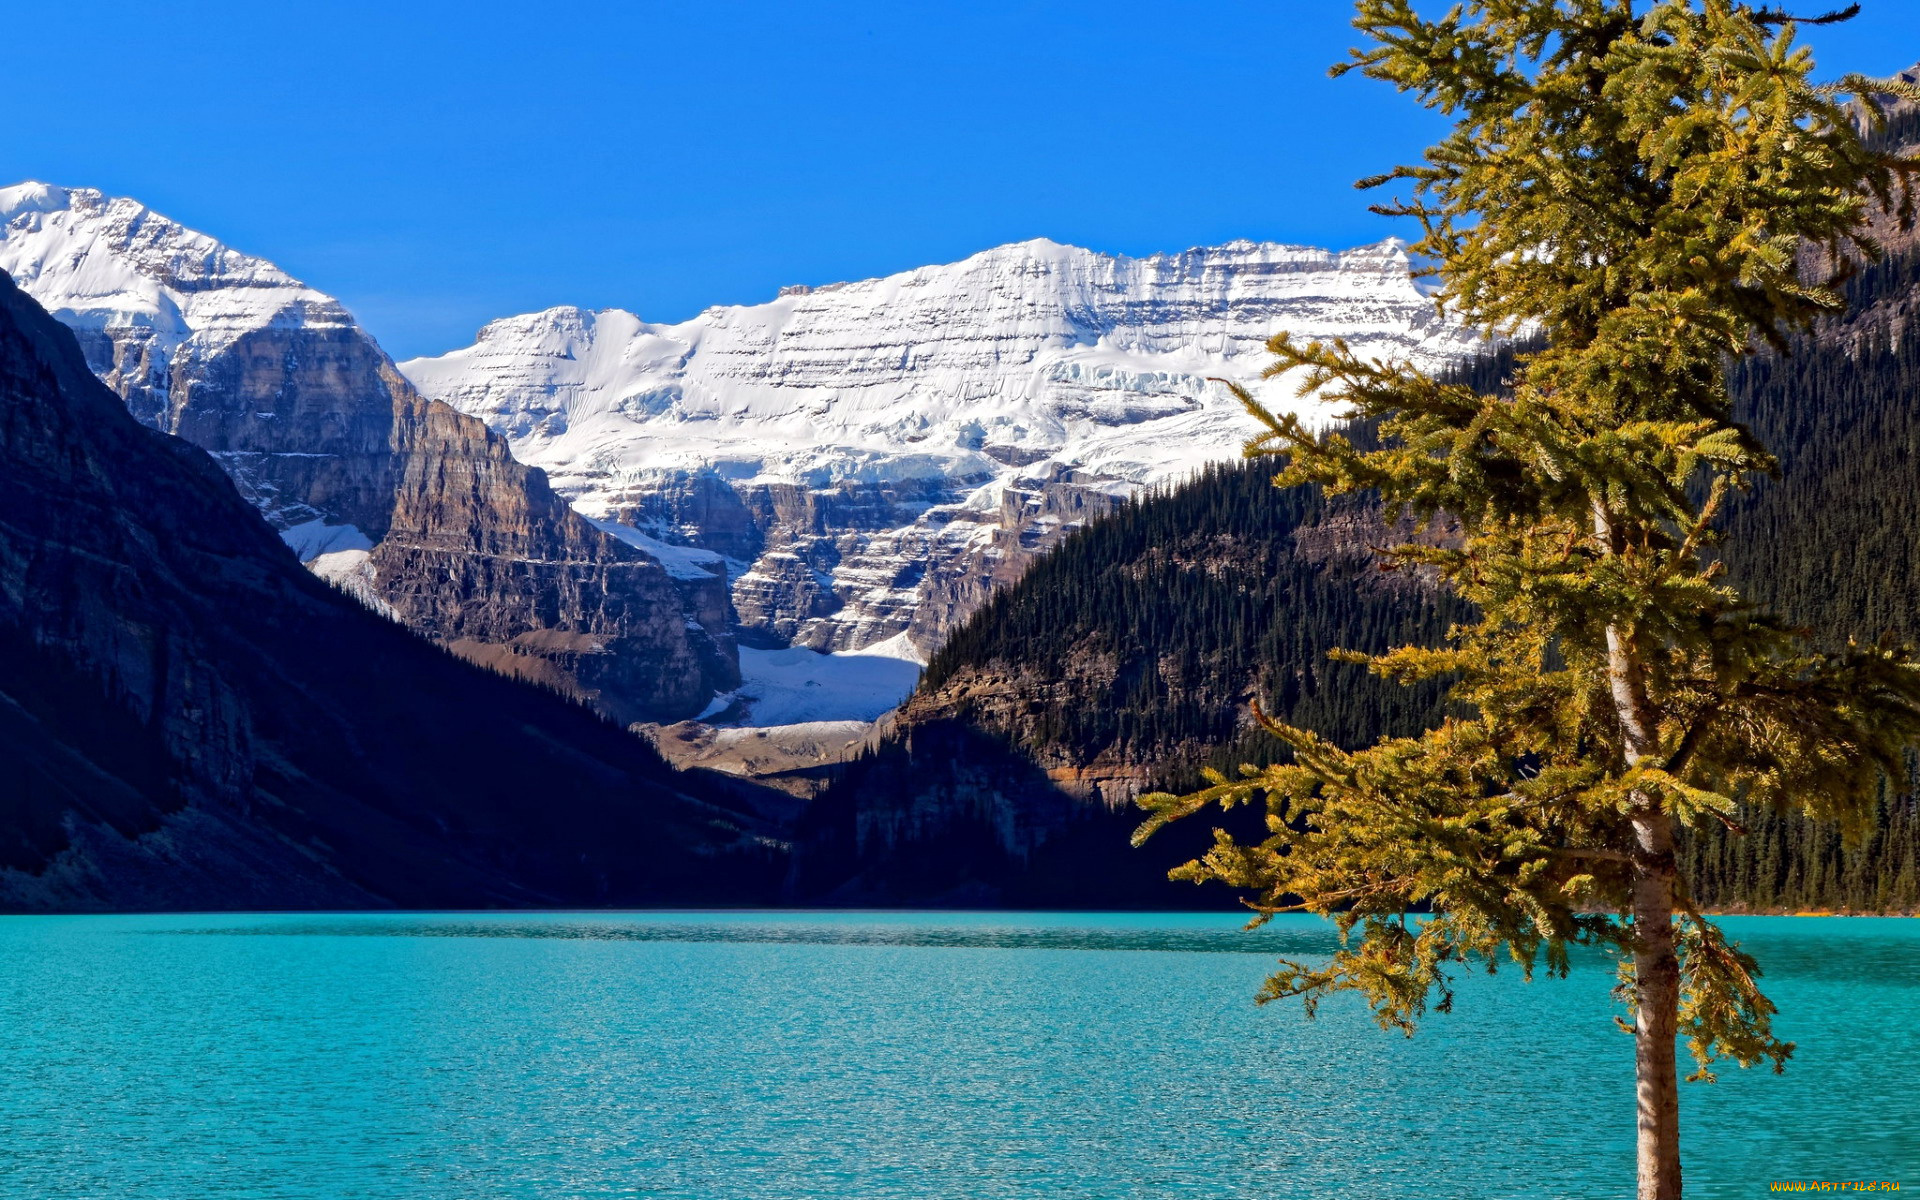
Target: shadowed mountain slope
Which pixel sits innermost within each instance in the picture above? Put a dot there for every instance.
(189, 719)
(398, 498)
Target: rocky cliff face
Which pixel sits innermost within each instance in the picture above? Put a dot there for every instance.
(188, 719)
(418, 509)
(878, 457)
(482, 556)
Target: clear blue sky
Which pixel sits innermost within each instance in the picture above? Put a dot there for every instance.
(436, 165)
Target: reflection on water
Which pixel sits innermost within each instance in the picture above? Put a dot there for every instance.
(875, 1056)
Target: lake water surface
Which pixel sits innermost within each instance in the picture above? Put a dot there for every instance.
(856, 1056)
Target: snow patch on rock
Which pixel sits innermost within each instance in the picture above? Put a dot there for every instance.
(313, 539)
(796, 685)
(682, 562)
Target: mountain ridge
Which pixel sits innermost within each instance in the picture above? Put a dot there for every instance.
(856, 478)
(190, 719)
(877, 456)
(417, 508)
(1126, 661)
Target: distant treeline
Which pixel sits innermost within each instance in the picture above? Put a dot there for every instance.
(1832, 543)
(1789, 864)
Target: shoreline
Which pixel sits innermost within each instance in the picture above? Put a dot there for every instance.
(1807, 912)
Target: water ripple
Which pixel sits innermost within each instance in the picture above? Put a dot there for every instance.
(877, 1056)
(1229, 940)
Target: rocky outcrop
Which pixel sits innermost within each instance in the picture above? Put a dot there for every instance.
(843, 567)
(188, 719)
(418, 509)
(1012, 701)
(482, 556)
(879, 457)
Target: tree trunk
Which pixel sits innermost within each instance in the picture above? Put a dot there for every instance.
(1656, 965)
(1656, 973)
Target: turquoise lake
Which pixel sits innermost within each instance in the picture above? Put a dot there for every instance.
(768, 1056)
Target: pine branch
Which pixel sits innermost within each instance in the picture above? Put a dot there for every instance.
(1774, 17)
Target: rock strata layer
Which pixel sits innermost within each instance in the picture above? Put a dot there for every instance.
(876, 458)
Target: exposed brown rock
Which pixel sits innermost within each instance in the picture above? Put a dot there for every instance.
(472, 548)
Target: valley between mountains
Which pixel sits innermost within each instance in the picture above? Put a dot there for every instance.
(808, 493)
(919, 580)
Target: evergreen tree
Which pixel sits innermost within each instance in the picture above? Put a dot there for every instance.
(1636, 183)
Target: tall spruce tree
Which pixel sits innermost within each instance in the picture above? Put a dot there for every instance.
(1640, 184)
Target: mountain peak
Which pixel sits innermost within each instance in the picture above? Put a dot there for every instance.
(150, 243)
(305, 413)
(99, 262)
(32, 196)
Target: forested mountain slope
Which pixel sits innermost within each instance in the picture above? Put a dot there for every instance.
(1834, 544)
(189, 719)
(1122, 661)
(1129, 656)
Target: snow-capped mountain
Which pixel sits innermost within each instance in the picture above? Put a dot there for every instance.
(876, 456)
(858, 465)
(420, 510)
(143, 293)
